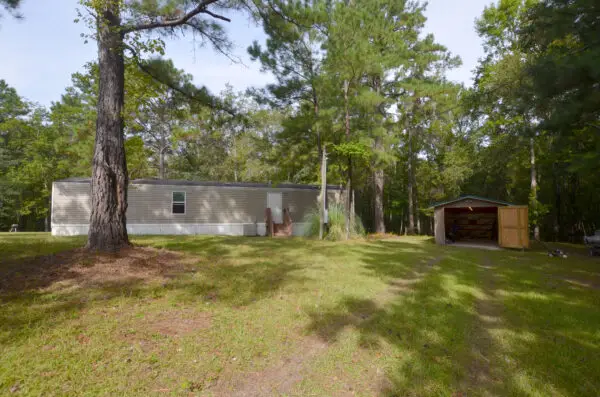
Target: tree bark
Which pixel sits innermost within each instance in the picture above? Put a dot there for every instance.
(47, 220)
(323, 203)
(557, 204)
(401, 231)
(349, 196)
(349, 199)
(378, 179)
(161, 163)
(416, 202)
(410, 229)
(536, 227)
(317, 129)
(323, 157)
(378, 174)
(108, 231)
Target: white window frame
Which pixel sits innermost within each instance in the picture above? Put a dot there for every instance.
(179, 202)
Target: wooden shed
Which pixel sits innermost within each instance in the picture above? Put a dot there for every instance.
(481, 220)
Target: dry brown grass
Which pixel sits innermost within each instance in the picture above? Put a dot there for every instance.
(81, 268)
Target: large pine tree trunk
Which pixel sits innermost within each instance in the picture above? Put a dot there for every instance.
(410, 229)
(161, 163)
(108, 231)
(323, 195)
(349, 199)
(401, 231)
(557, 204)
(416, 203)
(316, 125)
(321, 153)
(349, 195)
(378, 174)
(378, 180)
(536, 228)
(47, 220)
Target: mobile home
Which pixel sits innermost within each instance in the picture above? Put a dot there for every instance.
(189, 207)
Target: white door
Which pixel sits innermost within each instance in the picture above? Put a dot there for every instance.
(274, 202)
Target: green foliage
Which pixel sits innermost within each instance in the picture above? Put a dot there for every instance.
(137, 155)
(336, 229)
(538, 82)
(352, 149)
(216, 145)
(32, 155)
(11, 6)
(361, 79)
(373, 50)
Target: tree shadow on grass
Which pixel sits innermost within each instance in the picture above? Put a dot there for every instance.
(227, 246)
(550, 323)
(544, 340)
(42, 293)
(426, 321)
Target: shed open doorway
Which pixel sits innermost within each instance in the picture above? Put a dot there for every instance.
(481, 222)
(472, 225)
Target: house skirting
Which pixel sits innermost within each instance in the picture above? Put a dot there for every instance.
(225, 229)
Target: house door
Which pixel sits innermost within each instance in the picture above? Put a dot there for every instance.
(513, 227)
(274, 202)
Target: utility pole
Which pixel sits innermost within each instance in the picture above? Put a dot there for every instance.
(323, 205)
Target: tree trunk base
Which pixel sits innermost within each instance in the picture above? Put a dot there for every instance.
(110, 248)
(110, 238)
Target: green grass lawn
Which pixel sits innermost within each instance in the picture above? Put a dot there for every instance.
(226, 316)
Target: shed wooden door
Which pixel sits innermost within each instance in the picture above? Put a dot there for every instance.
(513, 227)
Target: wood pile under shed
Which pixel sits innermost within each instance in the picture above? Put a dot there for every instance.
(473, 225)
(474, 218)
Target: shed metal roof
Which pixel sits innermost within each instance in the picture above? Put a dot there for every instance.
(470, 197)
(178, 182)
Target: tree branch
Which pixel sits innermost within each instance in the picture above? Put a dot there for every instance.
(215, 42)
(210, 104)
(200, 9)
(217, 16)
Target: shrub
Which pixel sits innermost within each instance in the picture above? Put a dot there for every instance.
(337, 224)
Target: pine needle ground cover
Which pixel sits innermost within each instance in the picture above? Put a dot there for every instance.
(226, 316)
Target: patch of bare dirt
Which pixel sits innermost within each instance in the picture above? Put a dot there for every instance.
(177, 323)
(173, 323)
(84, 268)
(275, 380)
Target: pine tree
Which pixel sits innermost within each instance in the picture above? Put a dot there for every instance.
(120, 26)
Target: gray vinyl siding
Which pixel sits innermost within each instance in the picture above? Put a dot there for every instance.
(299, 202)
(151, 204)
(71, 203)
(204, 204)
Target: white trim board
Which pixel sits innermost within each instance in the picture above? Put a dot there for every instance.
(226, 229)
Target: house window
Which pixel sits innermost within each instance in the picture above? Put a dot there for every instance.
(178, 206)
